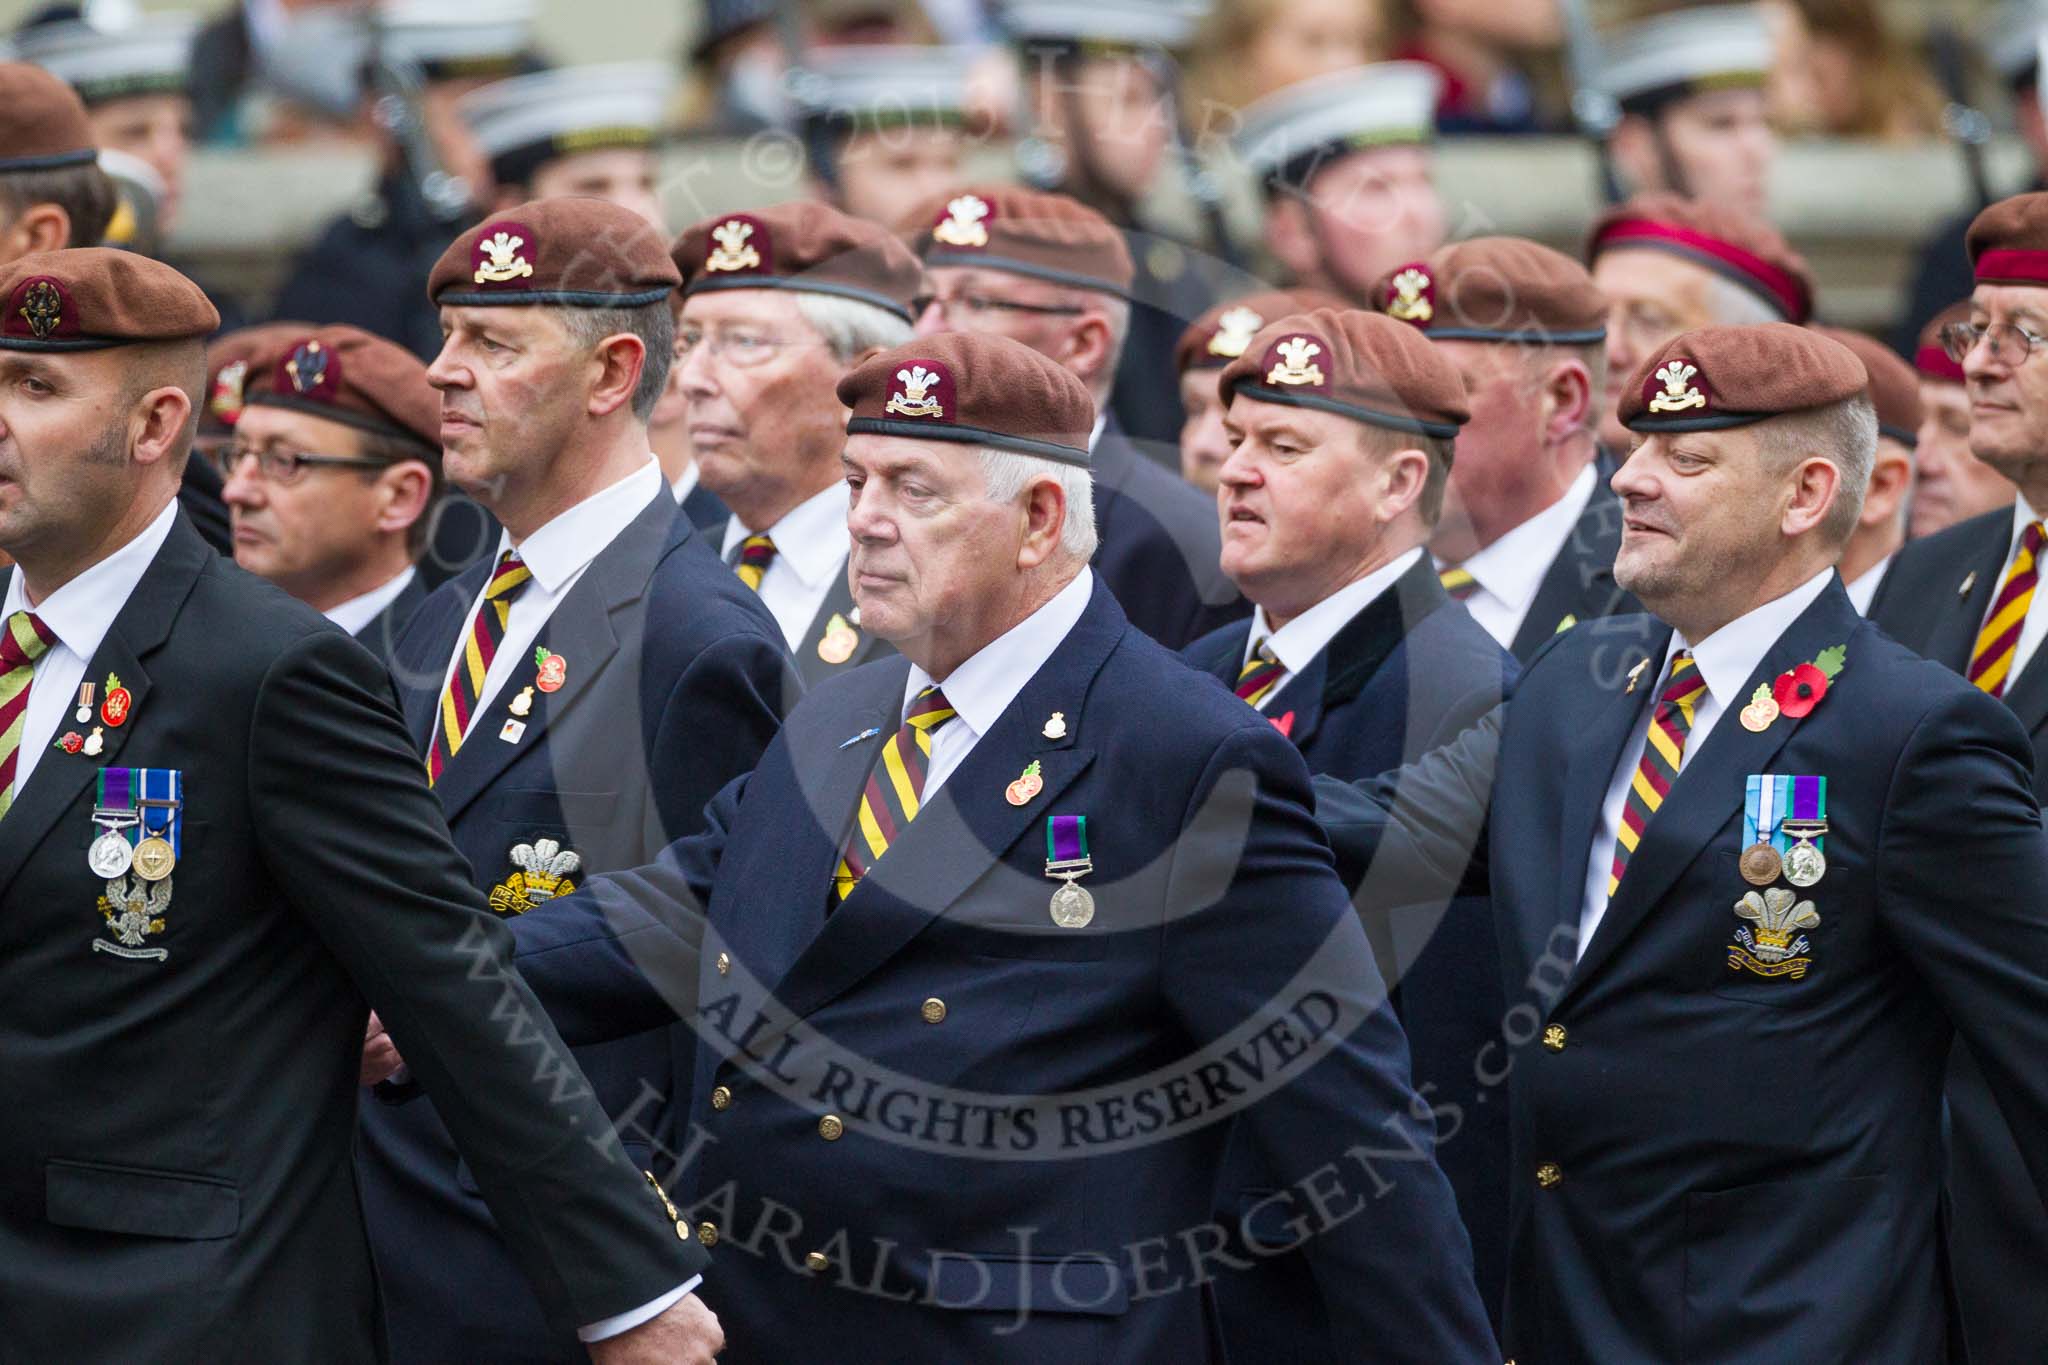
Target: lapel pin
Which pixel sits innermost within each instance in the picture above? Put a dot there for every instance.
(71, 742)
(853, 617)
(1969, 582)
(522, 705)
(114, 709)
(84, 712)
(1635, 673)
(836, 646)
(1565, 624)
(94, 743)
(868, 733)
(1761, 711)
(513, 732)
(1056, 728)
(1027, 785)
(554, 669)
(1285, 724)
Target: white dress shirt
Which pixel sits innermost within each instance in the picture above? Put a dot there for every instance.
(1865, 586)
(79, 614)
(1510, 570)
(1297, 643)
(557, 554)
(1725, 660)
(811, 545)
(982, 688)
(685, 484)
(358, 612)
(2036, 624)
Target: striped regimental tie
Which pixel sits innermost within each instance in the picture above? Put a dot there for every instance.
(1259, 676)
(473, 665)
(1670, 723)
(26, 639)
(1991, 660)
(1458, 582)
(894, 790)
(756, 554)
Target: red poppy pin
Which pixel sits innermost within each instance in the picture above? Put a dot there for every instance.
(72, 742)
(554, 670)
(1799, 689)
(114, 706)
(1285, 724)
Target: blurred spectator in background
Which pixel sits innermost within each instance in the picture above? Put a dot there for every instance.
(582, 130)
(133, 79)
(370, 266)
(1480, 48)
(1881, 525)
(1347, 174)
(268, 69)
(52, 192)
(1864, 81)
(1249, 49)
(1950, 484)
(1215, 339)
(2011, 47)
(1694, 116)
(744, 49)
(883, 126)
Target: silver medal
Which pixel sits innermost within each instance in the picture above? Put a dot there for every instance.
(1072, 907)
(110, 856)
(1805, 864)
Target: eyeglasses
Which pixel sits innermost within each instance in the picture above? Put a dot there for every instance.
(2011, 343)
(743, 350)
(286, 467)
(976, 307)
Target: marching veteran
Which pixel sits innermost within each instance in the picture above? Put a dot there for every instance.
(1211, 342)
(1747, 896)
(989, 909)
(216, 843)
(577, 697)
(1342, 424)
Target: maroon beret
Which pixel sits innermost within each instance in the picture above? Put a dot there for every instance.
(1733, 245)
(42, 121)
(1930, 357)
(1496, 289)
(90, 298)
(1026, 232)
(1360, 365)
(1713, 378)
(2008, 241)
(1894, 388)
(230, 359)
(567, 252)
(983, 390)
(346, 375)
(1220, 335)
(804, 246)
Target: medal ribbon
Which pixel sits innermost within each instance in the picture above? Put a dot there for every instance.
(117, 795)
(1810, 802)
(1770, 800)
(1066, 838)
(163, 784)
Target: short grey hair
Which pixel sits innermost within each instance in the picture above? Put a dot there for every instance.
(1007, 473)
(653, 323)
(850, 326)
(1734, 306)
(1843, 433)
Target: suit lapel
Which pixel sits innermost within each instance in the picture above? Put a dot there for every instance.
(1960, 613)
(1709, 789)
(822, 651)
(1580, 581)
(421, 670)
(142, 625)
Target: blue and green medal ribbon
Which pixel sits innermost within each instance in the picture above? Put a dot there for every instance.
(1771, 799)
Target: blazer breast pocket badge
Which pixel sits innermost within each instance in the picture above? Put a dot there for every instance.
(1784, 826)
(137, 812)
(543, 871)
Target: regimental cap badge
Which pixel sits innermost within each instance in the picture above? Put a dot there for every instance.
(310, 371)
(1234, 331)
(225, 401)
(924, 388)
(504, 253)
(38, 309)
(964, 222)
(1411, 295)
(1771, 943)
(738, 244)
(1675, 387)
(1292, 361)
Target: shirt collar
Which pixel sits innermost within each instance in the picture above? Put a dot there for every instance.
(2022, 517)
(81, 612)
(1728, 656)
(983, 687)
(358, 612)
(1512, 568)
(563, 547)
(1297, 643)
(1095, 435)
(686, 482)
(811, 538)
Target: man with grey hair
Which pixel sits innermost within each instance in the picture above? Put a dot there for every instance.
(777, 304)
(1748, 892)
(577, 698)
(985, 978)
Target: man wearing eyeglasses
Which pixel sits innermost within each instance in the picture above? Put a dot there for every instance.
(1965, 597)
(332, 474)
(778, 304)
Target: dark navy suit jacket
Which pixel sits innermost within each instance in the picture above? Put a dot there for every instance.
(1409, 672)
(1159, 545)
(676, 681)
(1739, 1167)
(387, 627)
(1579, 584)
(953, 1115)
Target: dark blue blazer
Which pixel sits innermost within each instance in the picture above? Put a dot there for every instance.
(387, 628)
(953, 1114)
(704, 509)
(1737, 1167)
(1409, 672)
(817, 655)
(1159, 545)
(676, 682)
(1579, 585)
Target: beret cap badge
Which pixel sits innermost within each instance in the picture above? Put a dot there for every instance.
(42, 304)
(1234, 331)
(504, 263)
(1296, 363)
(732, 251)
(914, 398)
(1410, 301)
(1679, 392)
(964, 223)
(307, 368)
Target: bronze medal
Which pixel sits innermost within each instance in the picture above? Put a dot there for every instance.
(154, 859)
(1760, 864)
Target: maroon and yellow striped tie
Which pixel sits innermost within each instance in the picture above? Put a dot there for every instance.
(1458, 582)
(23, 642)
(1991, 660)
(473, 664)
(1670, 723)
(756, 554)
(1260, 675)
(894, 790)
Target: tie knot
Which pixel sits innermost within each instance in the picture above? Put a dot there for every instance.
(1686, 682)
(757, 550)
(929, 710)
(2033, 537)
(1262, 657)
(24, 641)
(509, 579)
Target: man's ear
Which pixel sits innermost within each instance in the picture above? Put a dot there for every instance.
(39, 227)
(1044, 511)
(407, 488)
(1816, 483)
(618, 361)
(157, 425)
